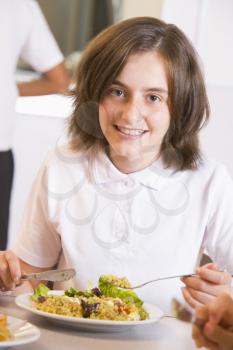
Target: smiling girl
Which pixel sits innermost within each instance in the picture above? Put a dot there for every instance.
(134, 113)
(131, 194)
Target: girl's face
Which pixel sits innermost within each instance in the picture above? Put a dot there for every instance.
(134, 114)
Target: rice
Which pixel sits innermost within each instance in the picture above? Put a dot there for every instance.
(60, 305)
(106, 308)
(115, 309)
(122, 282)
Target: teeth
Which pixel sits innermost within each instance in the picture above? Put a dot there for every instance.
(130, 131)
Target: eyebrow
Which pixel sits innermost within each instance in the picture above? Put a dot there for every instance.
(155, 89)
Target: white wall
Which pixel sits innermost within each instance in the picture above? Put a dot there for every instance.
(216, 138)
(134, 8)
(215, 41)
(209, 25)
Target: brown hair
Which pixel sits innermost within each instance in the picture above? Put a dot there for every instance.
(104, 58)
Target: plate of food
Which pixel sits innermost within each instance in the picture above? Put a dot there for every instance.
(14, 331)
(106, 308)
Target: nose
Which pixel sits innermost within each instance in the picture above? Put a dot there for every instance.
(131, 112)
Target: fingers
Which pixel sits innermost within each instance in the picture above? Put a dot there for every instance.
(216, 332)
(202, 313)
(219, 335)
(196, 298)
(209, 287)
(197, 283)
(190, 299)
(10, 270)
(204, 288)
(211, 266)
(14, 265)
(222, 311)
(6, 280)
(211, 273)
(200, 340)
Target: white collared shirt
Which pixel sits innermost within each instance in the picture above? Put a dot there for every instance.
(84, 213)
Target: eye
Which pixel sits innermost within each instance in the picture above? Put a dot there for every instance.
(116, 92)
(154, 98)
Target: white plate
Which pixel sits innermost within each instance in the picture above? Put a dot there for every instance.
(155, 313)
(23, 332)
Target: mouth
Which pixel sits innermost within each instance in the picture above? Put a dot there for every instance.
(130, 131)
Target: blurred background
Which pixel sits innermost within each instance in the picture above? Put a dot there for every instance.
(41, 120)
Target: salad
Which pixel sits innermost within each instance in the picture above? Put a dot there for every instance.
(105, 302)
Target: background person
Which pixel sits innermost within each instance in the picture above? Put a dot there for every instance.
(23, 33)
(131, 194)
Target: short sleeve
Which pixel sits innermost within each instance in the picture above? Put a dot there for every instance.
(38, 242)
(219, 231)
(40, 48)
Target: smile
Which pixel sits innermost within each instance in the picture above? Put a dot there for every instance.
(131, 132)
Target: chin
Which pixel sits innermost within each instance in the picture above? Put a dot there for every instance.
(129, 155)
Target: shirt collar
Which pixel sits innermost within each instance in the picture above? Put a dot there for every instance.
(156, 176)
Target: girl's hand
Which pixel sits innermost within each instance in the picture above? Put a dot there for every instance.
(217, 332)
(10, 270)
(204, 288)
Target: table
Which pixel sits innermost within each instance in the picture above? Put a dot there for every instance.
(168, 334)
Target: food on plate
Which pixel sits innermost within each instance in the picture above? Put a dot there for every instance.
(109, 287)
(105, 302)
(40, 292)
(4, 330)
(122, 282)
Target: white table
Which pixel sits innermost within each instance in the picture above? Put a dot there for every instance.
(168, 334)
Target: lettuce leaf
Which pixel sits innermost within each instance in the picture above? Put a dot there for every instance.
(72, 292)
(40, 291)
(110, 290)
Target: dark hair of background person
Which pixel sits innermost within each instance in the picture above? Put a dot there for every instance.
(105, 57)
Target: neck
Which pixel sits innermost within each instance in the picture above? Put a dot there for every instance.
(127, 166)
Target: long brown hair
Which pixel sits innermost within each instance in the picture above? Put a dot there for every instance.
(104, 58)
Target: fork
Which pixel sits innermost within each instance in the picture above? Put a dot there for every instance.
(159, 279)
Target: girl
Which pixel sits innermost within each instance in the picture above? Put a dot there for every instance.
(130, 194)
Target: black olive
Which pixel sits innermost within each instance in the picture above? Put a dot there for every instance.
(88, 309)
(96, 292)
(41, 299)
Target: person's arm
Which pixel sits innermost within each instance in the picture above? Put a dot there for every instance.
(55, 80)
(217, 332)
(38, 243)
(11, 269)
